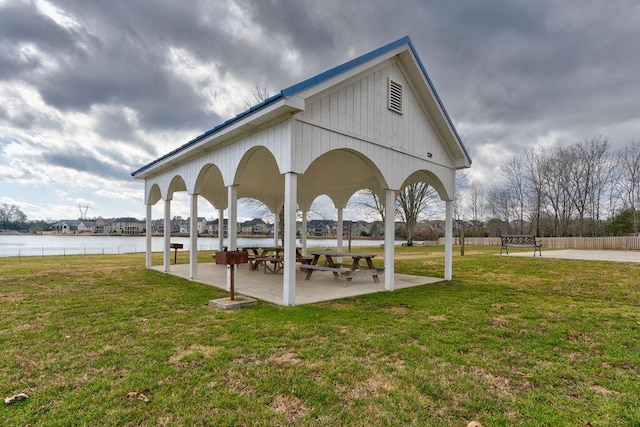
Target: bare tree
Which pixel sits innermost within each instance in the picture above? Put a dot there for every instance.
(476, 202)
(460, 208)
(499, 201)
(615, 202)
(536, 168)
(412, 202)
(586, 177)
(369, 201)
(259, 94)
(9, 214)
(558, 187)
(512, 170)
(600, 171)
(629, 163)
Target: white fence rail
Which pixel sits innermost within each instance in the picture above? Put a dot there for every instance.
(624, 243)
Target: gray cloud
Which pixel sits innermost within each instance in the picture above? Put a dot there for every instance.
(84, 161)
(20, 22)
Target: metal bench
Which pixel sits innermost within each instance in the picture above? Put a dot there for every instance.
(521, 241)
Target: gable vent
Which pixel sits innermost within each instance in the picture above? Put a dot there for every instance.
(395, 96)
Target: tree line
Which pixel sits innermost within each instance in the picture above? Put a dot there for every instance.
(12, 218)
(579, 188)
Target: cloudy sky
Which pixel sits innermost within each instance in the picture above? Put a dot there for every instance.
(92, 90)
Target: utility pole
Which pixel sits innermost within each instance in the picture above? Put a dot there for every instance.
(83, 211)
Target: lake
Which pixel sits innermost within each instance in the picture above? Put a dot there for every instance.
(19, 245)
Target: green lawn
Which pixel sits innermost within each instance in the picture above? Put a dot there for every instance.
(512, 341)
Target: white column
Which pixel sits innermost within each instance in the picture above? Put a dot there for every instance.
(448, 240)
(193, 236)
(148, 236)
(290, 203)
(340, 228)
(166, 254)
(389, 239)
(220, 229)
(276, 216)
(304, 233)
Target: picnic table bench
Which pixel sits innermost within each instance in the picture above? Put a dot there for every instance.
(338, 269)
(271, 257)
(522, 241)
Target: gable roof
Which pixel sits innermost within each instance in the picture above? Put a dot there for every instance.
(69, 222)
(293, 91)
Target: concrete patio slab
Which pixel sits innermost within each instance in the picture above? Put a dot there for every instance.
(268, 287)
(587, 255)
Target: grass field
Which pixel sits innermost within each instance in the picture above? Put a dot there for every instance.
(100, 340)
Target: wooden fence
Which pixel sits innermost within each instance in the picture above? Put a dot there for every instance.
(631, 243)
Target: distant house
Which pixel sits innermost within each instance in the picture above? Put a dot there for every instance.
(85, 226)
(157, 225)
(201, 225)
(254, 226)
(72, 226)
(128, 225)
(102, 226)
(214, 227)
(319, 228)
(353, 228)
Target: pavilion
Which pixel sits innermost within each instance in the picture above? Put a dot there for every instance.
(375, 122)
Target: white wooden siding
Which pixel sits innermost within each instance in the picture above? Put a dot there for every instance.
(360, 108)
(275, 138)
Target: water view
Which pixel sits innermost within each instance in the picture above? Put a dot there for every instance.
(43, 245)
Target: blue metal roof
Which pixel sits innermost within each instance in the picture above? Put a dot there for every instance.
(313, 81)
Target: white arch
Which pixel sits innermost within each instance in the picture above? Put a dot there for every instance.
(210, 185)
(429, 178)
(339, 173)
(153, 195)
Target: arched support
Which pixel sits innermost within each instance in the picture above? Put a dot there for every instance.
(448, 240)
(193, 237)
(167, 236)
(148, 234)
(389, 239)
(289, 284)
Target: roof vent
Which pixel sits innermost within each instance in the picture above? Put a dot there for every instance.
(395, 96)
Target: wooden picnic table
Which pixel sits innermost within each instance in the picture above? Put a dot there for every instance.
(338, 269)
(271, 257)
